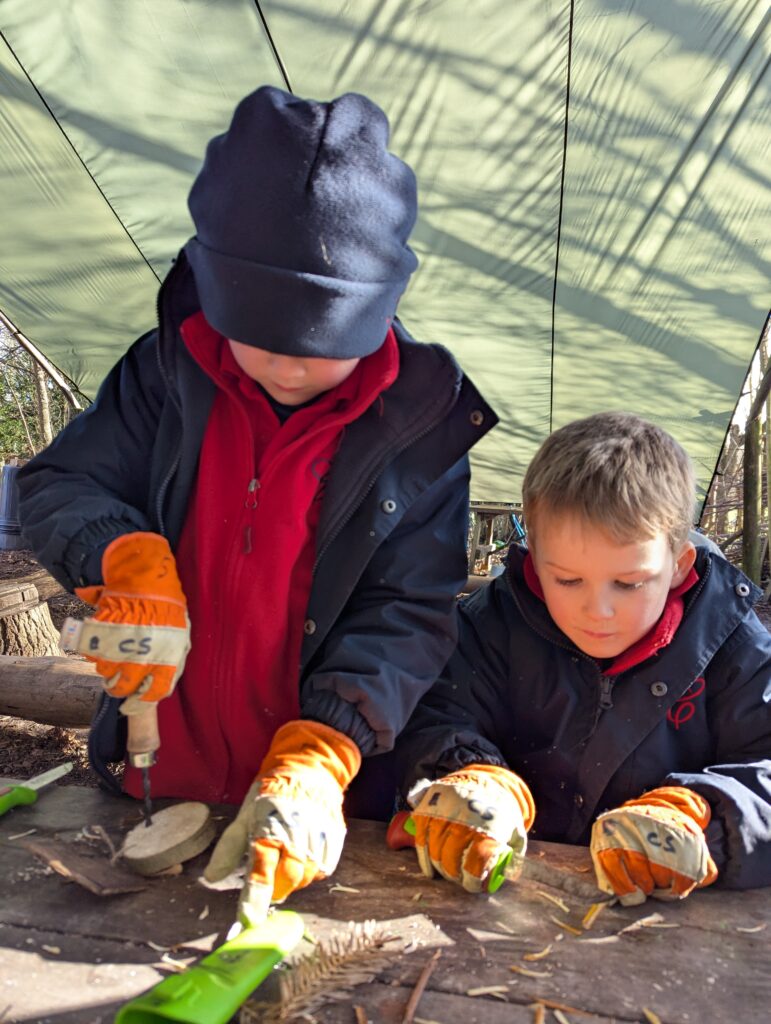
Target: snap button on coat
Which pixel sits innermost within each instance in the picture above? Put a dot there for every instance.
(742, 589)
(389, 505)
(477, 418)
(309, 627)
(659, 689)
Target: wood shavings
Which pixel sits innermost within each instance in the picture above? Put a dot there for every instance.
(592, 914)
(539, 955)
(530, 973)
(504, 927)
(343, 888)
(565, 926)
(650, 1016)
(23, 835)
(417, 897)
(497, 991)
(649, 921)
(156, 947)
(483, 936)
(234, 880)
(551, 1004)
(560, 1016)
(361, 1014)
(55, 950)
(204, 913)
(555, 900)
(539, 1013)
(201, 943)
(97, 832)
(177, 966)
(425, 1020)
(751, 931)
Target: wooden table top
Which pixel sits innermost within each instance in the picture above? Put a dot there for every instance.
(68, 956)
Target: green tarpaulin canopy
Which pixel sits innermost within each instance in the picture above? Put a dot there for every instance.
(594, 182)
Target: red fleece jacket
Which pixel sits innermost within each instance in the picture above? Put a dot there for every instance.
(245, 560)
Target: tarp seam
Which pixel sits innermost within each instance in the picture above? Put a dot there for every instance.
(274, 48)
(559, 219)
(80, 160)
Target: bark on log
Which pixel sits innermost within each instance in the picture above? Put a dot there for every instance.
(51, 691)
(29, 633)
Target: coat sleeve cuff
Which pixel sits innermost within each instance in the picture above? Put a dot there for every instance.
(329, 709)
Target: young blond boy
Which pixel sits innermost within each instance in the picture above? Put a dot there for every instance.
(612, 687)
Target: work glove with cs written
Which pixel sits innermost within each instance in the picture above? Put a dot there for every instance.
(290, 825)
(468, 820)
(654, 846)
(139, 636)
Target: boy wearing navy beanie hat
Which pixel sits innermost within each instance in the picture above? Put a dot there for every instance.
(271, 490)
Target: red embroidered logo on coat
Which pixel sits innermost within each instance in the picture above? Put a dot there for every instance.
(684, 708)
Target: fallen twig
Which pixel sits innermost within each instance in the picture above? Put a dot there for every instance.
(417, 992)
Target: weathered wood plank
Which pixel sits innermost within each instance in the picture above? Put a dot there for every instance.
(707, 968)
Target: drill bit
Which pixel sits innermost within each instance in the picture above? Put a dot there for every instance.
(142, 743)
(148, 804)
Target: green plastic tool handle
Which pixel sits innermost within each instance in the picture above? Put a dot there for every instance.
(497, 875)
(15, 797)
(212, 991)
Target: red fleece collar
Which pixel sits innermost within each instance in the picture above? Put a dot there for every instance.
(374, 374)
(658, 636)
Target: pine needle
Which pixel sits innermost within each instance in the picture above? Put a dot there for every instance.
(339, 963)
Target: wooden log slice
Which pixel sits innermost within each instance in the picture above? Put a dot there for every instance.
(175, 834)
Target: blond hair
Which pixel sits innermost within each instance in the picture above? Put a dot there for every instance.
(616, 472)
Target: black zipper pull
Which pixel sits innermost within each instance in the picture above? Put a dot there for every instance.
(606, 684)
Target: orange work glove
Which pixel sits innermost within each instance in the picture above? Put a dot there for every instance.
(466, 821)
(290, 825)
(654, 846)
(140, 635)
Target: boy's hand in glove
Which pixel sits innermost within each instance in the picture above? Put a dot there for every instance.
(654, 846)
(290, 824)
(140, 634)
(466, 821)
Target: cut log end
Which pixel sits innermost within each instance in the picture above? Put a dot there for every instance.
(175, 834)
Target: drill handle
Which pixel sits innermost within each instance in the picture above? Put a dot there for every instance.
(143, 736)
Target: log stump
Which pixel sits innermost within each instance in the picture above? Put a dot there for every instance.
(25, 624)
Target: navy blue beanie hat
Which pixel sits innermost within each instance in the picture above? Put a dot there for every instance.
(302, 218)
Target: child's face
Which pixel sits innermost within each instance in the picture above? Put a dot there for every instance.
(603, 595)
(291, 380)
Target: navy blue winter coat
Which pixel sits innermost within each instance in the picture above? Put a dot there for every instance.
(518, 693)
(391, 541)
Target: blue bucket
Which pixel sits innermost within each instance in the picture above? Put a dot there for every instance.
(10, 527)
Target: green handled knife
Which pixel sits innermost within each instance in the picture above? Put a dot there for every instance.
(26, 792)
(213, 990)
